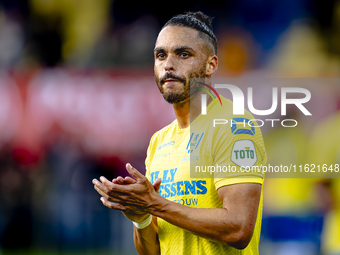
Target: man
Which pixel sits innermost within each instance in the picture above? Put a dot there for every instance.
(178, 214)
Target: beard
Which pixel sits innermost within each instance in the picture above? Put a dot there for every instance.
(183, 94)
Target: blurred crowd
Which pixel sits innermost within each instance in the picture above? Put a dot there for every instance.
(78, 100)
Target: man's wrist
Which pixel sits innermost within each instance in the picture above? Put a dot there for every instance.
(159, 206)
(139, 217)
(144, 223)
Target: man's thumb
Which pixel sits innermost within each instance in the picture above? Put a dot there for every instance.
(157, 184)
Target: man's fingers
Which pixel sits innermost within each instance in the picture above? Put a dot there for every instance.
(129, 180)
(120, 180)
(107, 197)
(110, 187)
(100, 185)
(114, 206)
(124, 181)
(106, 182)
(102, 193)
(134, 172)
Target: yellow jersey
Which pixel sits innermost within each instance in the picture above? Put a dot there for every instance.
(174, 155)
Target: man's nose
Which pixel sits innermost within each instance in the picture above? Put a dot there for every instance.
(169, 64)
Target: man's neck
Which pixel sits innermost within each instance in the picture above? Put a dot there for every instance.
(182, 112)
(188, 110)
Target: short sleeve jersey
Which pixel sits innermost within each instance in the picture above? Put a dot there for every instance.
(172, 150)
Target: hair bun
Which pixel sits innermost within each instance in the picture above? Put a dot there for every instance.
(201, 17)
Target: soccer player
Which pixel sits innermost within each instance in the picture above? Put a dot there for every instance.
(173, 213)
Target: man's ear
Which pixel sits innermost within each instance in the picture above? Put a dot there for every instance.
(212, 64)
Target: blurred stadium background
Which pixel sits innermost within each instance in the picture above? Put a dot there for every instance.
(78, 100)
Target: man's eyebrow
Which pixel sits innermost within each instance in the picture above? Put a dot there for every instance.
(158, 49)
(184, 48)
(177, 49)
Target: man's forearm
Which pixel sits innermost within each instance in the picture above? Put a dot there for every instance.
(146, 240)
(216, 224)
(231, 226)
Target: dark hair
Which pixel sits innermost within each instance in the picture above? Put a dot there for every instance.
(198, 21)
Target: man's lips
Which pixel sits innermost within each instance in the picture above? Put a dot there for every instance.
(171, 80)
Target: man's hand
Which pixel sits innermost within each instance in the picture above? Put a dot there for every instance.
(231, 225)
(129, 180)
(134, 216)
(131, 196)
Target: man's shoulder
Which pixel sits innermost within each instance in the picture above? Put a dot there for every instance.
(164, 131)
(167, 128)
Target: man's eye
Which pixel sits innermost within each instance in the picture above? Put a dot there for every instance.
(160, 55)
(184, 54)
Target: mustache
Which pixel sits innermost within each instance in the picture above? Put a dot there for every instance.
(172, 76)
